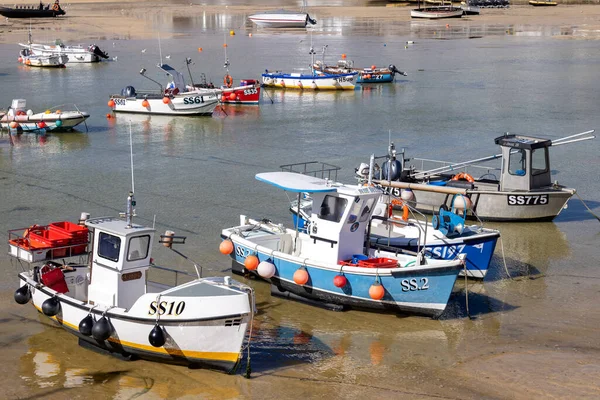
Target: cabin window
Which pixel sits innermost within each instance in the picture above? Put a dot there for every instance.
(539, 163)
(138, 248)
(517, 163)
(332, 208)
(109, 246)
(366, 211)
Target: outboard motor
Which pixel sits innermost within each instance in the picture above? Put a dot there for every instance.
(96, 50)
(128, 91)
(363, 171)
(395, 70)
(391, 170)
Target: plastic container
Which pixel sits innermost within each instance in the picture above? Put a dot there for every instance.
(49, 238)
(358, 257)
(77, 233)
(378, 263)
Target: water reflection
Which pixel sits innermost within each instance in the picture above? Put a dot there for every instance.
(51, 143)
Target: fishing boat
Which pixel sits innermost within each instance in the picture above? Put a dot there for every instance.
(469, 8)
(108, 301)
(365, 75)
(75, 54)
(328, 264)
(175, 99)
(21, 119)
(436, 12)
(29, 11)
(283, 18)
(523, 192)
(543, 3)
(444, 238)
(312, 81)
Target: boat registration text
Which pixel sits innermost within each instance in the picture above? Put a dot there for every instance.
(527, 200)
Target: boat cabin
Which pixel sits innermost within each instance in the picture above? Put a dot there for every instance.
(340, 214)
(121, 254)
(525, 162)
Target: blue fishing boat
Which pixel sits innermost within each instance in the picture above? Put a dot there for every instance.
(371, 74)
(328, 263)
(444, 238)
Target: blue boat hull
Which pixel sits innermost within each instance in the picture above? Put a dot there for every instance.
(415, 292)
(376, 78)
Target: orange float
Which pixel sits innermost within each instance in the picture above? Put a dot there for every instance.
(145, 103)
(340, 281)
(301, 276)
(111, 103)
(376, 291)
(251, 262)
(226, 247)
(232, 96)
(166, 100)
(463, 176)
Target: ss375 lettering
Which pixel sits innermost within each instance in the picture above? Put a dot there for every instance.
(409, 285)
(527, 200)
(166, 308)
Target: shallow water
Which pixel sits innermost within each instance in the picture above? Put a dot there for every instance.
(529, 336)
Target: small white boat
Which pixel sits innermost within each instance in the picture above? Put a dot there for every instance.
(108, 301)
(75, 54)
(310, 81)
(176, 99)
(282, 19)
(19, 118)
(437, 12)
(470, 9)
(27, 57)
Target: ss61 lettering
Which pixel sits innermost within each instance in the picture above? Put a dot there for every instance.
(166, 308)
(409, 285)
(193, 100)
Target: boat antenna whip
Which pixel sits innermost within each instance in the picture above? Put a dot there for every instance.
(130, 210)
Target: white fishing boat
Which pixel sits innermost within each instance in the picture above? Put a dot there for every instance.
(469, 8)
(524, 191)
(176, 99)
(107, 298)
(436, 12)
(29, 58)
(75, 54)
(19, 118)
(283, 18)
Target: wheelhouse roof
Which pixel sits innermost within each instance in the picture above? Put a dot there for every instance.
(522, 142)
(116, 226)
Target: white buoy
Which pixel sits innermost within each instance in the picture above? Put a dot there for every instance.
(461, 203)
(407, 195)
(167, 239)
(266, 269)
(83, 217)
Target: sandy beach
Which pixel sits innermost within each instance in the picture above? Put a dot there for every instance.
(97, 20)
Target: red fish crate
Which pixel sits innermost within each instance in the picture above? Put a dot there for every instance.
(380, 262)
(77, 233)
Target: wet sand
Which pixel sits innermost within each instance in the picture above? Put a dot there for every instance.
(129, 19)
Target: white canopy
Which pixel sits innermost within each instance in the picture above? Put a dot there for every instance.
(294, 182)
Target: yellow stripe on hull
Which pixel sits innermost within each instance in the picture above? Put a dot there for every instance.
(201, 355)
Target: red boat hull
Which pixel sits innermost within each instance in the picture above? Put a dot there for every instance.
(249, 94)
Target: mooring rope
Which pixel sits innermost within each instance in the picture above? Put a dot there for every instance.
(583, 202)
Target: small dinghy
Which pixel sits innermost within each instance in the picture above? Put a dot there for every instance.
(29, 58)
(20, 119)
(176, 99)
(327, 263)
(107, 300)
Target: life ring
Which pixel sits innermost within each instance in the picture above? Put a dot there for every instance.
(55, 7)
(463, 176)
(228, 81)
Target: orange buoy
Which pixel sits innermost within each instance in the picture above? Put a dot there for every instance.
(282, 83)
(199, 49)
(108, 116)
(42, 124)
(232, 96)
(20, 60)
(447, 25)
(251, 262)
(373, 66)
(27, 62)
(224, 44)
(463, 176)
(111, 103)
(223, 99)
(344, 56)
(145, 103)
(13, 125)
(57, 112)
(340, 281)
(376, 291)
(226, 247)
(250, 34)
(166, 100)
(301, 276)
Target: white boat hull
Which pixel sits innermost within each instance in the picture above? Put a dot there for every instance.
(307, 82)
(191, 104)
(195, 337)
(56, 61)
(282, 20)
(75, 54)
(68, 120)
(437, 13)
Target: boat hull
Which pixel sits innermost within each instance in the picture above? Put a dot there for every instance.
(375, 77)
(51, 61)
(310, 82)
(29, 13)
(422, 290)
(543, 3)
(248, 95)
(191, 104)
(283, 20)
(436, 13)
(31, 123)
(214, 342)
(534, 206)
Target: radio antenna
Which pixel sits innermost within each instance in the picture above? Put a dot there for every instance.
(131, 154)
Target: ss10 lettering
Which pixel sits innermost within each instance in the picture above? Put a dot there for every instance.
(409, 285)
(248, 92)
(166, 308)
(527, 200)
(193, 100)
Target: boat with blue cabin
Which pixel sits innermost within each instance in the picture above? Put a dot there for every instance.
(328, 264)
